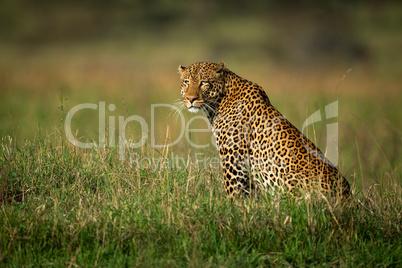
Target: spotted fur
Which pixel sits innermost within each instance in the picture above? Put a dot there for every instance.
(258, 147)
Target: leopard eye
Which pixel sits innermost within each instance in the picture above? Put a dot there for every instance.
(186, 82)
(204, 83)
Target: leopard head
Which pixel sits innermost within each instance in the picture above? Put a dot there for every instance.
(202, 85)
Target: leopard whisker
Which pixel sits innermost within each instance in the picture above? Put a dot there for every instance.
(178, 104)
(210, 108)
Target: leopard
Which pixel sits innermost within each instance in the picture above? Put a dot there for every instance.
(259, 148)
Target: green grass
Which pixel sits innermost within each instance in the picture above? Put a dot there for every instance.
(63, 206)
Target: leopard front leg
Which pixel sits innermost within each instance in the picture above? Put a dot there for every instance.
(236, 176)
(233, 151)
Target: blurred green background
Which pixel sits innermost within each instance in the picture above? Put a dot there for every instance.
(55, 55)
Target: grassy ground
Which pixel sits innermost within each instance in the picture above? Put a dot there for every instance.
(65, 207)
(62, 205)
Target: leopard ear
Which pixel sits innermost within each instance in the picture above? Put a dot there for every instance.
(220, 66)
(181, 69)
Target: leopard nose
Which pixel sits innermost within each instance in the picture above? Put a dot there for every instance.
(191, 99)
